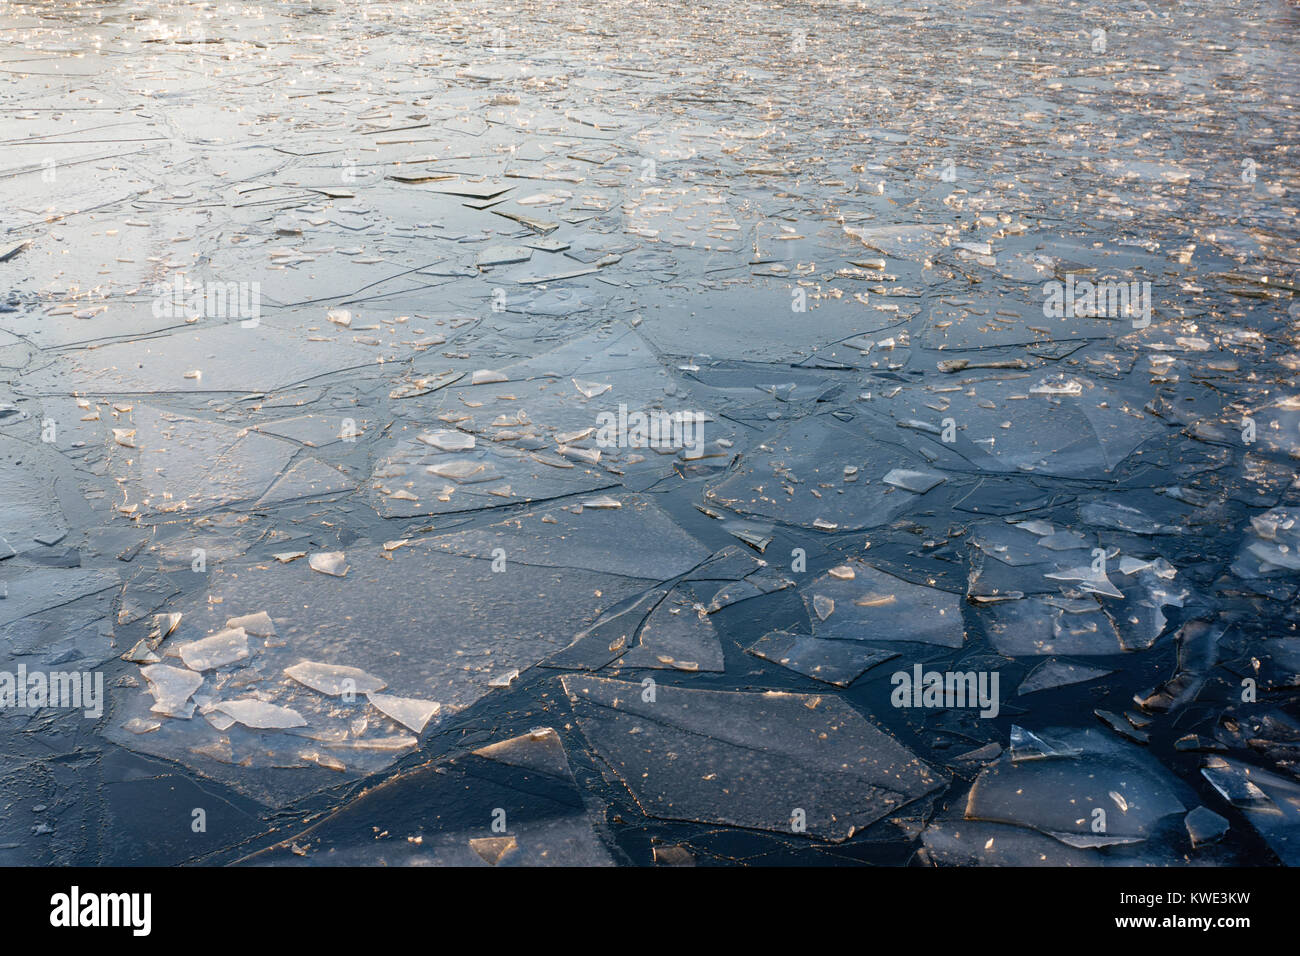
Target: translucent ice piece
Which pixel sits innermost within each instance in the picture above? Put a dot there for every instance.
(677, 635)
(171, 688)
(260, 715)
(222, 648)
(835, 662)
(875, 606)
(259, 624)
(700, 755)
(334, 679)
(1205, 826)
(410, 712)
(434, 815)
(1058, 795)
(917, 482)
(1053, 673)
(333, 563)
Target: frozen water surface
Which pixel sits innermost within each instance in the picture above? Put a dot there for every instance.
(749, 759)
(595, 412)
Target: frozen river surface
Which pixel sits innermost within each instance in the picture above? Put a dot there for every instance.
(649, 433)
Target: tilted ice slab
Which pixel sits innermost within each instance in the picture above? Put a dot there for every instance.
(839, 470)
(436, 627)
(875, 606)
(748, 759)
(182, 463)
(511, 803)
(1059, 795)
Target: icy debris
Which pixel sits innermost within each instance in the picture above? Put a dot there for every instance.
(677, 634)
(875, 606)
(221, 649)
(260, 715)
(1269, 802)
(445, 440)
(410, 712)
(141, 653)
(917, 482)
(591, 389)
(1234, 783)
(1027, 745)
(1042, 626)
(1054, 673)
(527, 778)
(171, 688)
(1122, 726)
(165, 624)
(1274, 548)
(493, 850)
(334, 679)
(1205, 826)
(259, 624)
(691, 754)
(835, 662)
(1089, 578)
(1059, 794)
(333, 563)
(1106, 514)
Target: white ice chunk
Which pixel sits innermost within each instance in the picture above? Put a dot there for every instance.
(224, 647)
(410, 712)
(334, 679)
(260, 715)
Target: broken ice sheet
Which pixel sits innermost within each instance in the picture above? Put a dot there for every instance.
(1111, 514)
(223, 648)
(797, 475)
(36, 589)
(873, 605)
(448, 440)
(171, 688)
(748, 759)
(381, 619)
(184, 463)
(609, 635)
(551, 425)
(334, 679)
(260, 715)
(1001, 425)
(1205, 826)
(1269, 802)
(835, 662)
(407, 711)
(677, 634)
(259, 624)
(1045, 626)
(924, 295)
(234, 361)
(333, 563)
(952, 840)
(556, 537)
(433, 815)
(1059, 796)
(1056, 673)
(1272, 547)
(917, 482)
